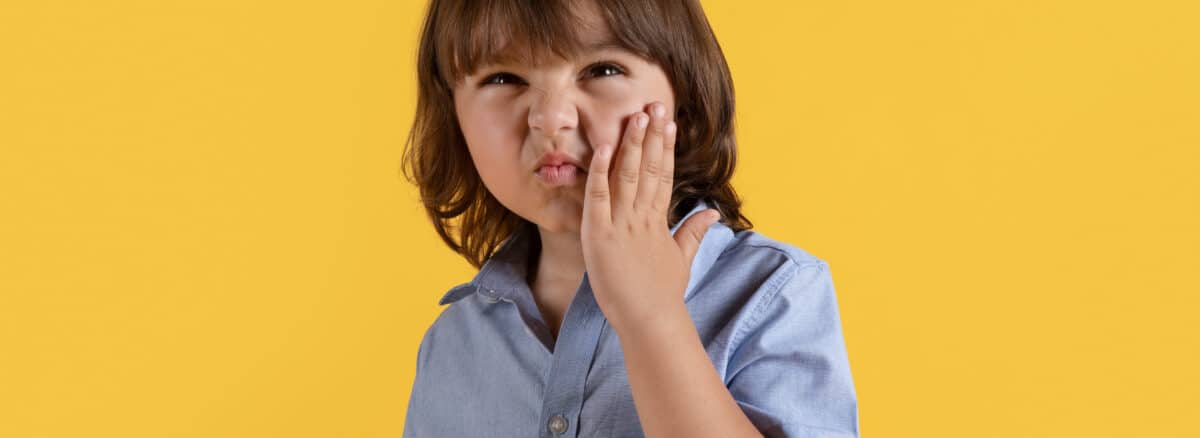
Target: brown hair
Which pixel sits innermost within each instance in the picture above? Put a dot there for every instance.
(458, 36)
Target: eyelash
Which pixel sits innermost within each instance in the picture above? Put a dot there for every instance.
(490, 79)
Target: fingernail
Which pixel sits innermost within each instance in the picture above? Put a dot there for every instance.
(670, 129)
(642, 118)
(659, 110)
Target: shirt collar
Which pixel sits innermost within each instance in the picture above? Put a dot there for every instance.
(504, 273)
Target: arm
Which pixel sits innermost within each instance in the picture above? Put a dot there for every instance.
(628, 250)
(676, 389)
(789, 375)
(638, 267)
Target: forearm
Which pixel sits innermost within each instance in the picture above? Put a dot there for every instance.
(676, 389)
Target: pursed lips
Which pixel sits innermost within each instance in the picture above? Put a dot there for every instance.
(558, 159)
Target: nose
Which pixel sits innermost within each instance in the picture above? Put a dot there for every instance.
(552, 112)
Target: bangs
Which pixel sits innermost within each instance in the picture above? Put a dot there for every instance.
(520, 32)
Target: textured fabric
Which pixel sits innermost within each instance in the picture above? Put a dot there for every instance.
(765, 311)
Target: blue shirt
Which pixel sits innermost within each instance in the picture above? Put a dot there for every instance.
(765, 311)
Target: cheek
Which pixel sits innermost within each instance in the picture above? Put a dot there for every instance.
(494, 142)
(491, 131)
(613, 109)
(608, 108)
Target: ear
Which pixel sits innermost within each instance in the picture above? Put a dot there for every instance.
(689, 234)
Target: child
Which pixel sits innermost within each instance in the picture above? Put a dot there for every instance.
(583, 147)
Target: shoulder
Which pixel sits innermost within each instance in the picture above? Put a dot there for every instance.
(749, 246)
(455, 318)
(770, 265)
(762, 281)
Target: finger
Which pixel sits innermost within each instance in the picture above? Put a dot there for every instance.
(689, 235)
(651, 156)
(628, 157)
(662, 198)
(597, 202)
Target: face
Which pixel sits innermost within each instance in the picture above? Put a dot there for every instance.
(512, 116)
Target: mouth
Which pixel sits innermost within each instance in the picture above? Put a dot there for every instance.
(557, 175)
(557, 169)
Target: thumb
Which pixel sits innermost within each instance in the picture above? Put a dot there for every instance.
(692, 231)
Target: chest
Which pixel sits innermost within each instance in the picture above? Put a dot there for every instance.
(499, 380)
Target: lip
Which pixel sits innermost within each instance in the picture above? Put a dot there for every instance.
(560, 176)
(557, 159)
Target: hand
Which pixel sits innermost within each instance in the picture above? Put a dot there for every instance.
(635, 266)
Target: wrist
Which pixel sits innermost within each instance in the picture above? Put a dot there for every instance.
(659, 323)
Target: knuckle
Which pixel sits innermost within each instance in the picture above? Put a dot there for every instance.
(599, 194)
(652, 169)
(631, 226)
(627, 175)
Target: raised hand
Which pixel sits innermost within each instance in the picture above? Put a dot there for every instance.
(635, 266)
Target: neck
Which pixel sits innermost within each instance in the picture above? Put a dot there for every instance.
(559, 259)
(557, 270)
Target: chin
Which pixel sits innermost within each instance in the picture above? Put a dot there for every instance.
(560, 217)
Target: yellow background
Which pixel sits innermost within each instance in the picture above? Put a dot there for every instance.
(204, 232)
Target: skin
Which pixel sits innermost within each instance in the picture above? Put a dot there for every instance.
(567, 106)
(613, 224)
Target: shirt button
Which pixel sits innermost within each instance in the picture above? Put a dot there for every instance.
(558, 424)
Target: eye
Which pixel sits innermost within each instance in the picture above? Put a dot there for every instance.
(501, 79)
(606, 69)
(596, 70)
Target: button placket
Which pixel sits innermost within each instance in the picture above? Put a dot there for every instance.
(571, 357)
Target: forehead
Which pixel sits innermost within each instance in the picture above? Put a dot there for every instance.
(535, 53)
(500, 32)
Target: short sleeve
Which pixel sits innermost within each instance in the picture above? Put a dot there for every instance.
(412, 416)
(789, 371)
